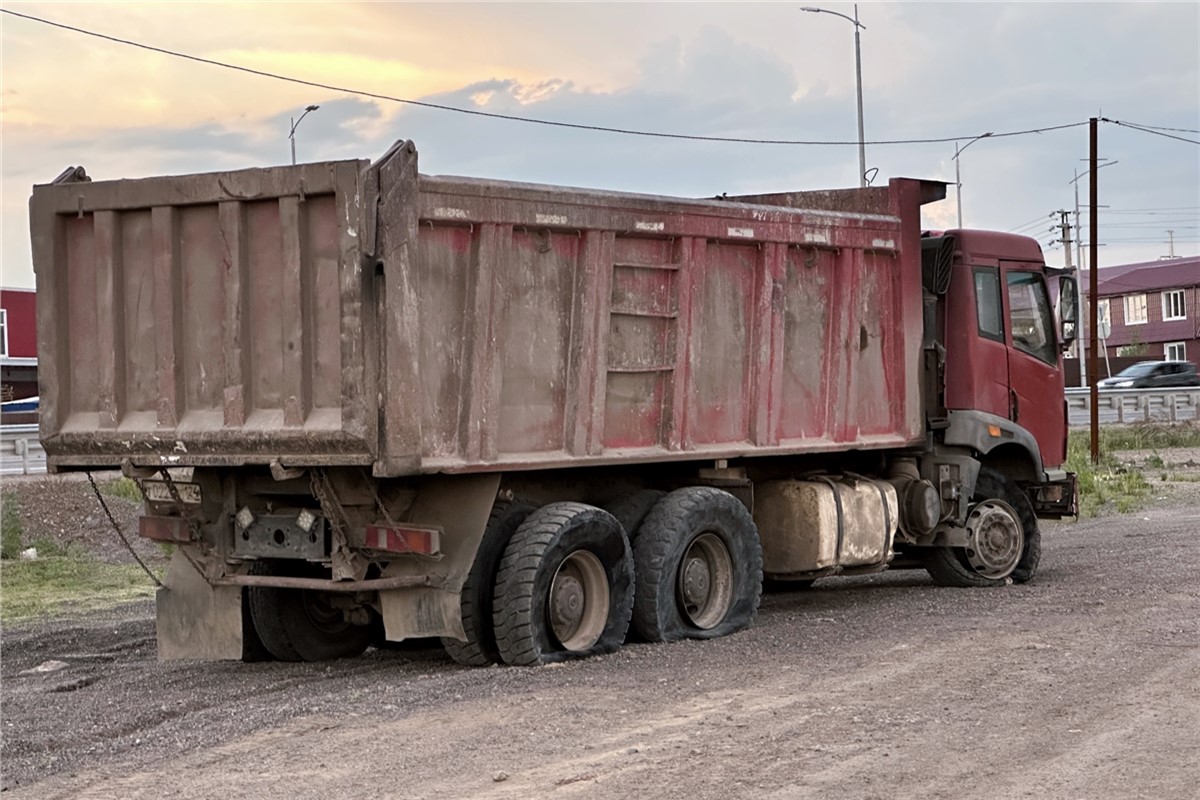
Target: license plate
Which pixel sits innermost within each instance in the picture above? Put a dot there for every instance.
(158, 492)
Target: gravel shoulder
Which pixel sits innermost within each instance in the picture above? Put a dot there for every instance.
(1080, 684)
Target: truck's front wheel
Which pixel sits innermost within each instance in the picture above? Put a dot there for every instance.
(1005, 541)
(565, 586)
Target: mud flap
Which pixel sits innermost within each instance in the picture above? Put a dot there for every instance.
(460, 505)
(196, 620)
(417, 613)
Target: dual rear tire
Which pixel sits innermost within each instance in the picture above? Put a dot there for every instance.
(569, 584)
(297, 624)
(565, 586)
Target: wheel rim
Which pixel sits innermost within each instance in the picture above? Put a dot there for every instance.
(996, 541)
(579, 600)
(705, 584)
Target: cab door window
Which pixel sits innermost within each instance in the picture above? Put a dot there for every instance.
(1030, 320)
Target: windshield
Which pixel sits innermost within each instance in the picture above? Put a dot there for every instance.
(1138, 370)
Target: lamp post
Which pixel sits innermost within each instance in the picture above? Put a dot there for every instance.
(1075, 182)
(858, 26)
(958, 175)
(296, 124)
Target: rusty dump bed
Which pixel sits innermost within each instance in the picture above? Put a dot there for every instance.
(346, 313)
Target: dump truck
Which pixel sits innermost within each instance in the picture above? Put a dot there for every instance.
(367, 404)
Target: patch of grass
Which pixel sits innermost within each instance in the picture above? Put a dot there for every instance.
(50, 586)
(11, 529)
(122, 487)
(1109, 484)
(1155, 461)
(1181, 477)
(1147, 436)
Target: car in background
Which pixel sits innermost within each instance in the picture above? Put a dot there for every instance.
(1153, 375)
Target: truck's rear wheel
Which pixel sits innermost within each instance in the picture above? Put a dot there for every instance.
(565, 586)
(303, 625)
(632, 509)
(699, 567)
(1005, 540)
(253, 648)
(479, 650)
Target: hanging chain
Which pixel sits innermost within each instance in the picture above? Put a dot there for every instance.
(375, 493)
(120, 533)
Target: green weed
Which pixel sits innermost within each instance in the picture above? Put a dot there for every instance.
(122, 487)
(48, 586)
(1109, 484)
(1145, 436)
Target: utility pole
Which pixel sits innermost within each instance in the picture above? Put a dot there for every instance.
(1065, 224)
(1094, 286)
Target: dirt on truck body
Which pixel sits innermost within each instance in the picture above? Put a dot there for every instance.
(371, 404)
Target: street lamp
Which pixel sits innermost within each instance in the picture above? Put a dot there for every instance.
(862, 147)
(296, 124)
(1075, 182)
(958, 175)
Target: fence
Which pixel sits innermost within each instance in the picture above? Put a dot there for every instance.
(1130, 406)
(20, 451)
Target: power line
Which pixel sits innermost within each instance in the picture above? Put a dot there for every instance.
(1148, 130)
(1031, 223)
(1150, 212)
(1162, 128)
(513, 118)
(1175, 224)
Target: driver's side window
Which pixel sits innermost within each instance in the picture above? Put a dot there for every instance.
(1029, 308)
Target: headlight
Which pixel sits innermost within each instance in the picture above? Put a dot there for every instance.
(1123, 384)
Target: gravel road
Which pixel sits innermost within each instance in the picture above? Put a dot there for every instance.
(1082, 684)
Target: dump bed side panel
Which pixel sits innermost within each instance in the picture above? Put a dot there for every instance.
(206, 319)
(564, 327)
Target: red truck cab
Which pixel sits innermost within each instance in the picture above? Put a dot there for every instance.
(1003, 378)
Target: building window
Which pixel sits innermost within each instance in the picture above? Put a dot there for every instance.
(1174, 351)
(1173, 307)
(1135, 309)
(3, 331)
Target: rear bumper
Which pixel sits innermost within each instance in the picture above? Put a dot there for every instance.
(1055, 498)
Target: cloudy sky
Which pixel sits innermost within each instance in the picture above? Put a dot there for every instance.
(746, 70)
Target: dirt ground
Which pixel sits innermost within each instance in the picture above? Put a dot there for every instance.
(1084, 683)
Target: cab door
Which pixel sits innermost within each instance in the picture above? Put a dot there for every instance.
(1037, 400)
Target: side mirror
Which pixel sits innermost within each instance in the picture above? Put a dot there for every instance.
(1068, 310)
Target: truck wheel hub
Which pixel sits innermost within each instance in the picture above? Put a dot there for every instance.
(695, 581)
(997, 539)
(579, 601)
(705, 585)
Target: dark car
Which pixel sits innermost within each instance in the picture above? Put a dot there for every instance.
(1152, 375)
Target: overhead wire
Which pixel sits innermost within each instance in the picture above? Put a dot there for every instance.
(1148, 130)
(512, 117)
(1164, 128)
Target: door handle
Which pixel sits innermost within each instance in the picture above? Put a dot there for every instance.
(1014, 410)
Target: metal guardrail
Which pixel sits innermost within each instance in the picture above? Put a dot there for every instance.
(1130, 406)
(20, 450)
